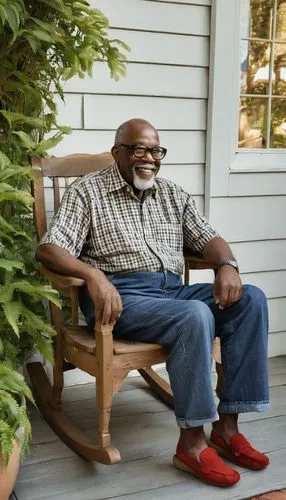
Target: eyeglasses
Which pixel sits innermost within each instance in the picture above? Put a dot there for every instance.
(157, 153)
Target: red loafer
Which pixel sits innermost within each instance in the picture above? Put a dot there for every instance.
(239, 451)
(210, 468)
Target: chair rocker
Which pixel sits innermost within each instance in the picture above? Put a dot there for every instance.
(108, 360)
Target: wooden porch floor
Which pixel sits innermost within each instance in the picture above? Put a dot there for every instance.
(144, 430)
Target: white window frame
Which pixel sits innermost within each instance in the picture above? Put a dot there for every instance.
(223, 156)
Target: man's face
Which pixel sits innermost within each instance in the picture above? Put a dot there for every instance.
(137, 172)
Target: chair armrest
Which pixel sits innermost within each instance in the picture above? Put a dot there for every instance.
(60, 280)
(196, 261)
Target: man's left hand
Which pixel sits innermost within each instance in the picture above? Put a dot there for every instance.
(227, 287)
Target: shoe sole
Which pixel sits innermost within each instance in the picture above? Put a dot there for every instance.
(226, 454)
(179, 464)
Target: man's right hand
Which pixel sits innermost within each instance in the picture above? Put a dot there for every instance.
(108, 304)
(107, 300)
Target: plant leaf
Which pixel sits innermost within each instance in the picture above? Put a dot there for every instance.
(26, 140)
(9, 265)
(20, 119)
(12, 312)
(18, 196)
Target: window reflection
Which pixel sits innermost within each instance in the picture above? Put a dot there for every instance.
(278, 123)
(254, 67)
(279, 77)
(281, 22)
(261, 16)
(253, 112)
(262, 116)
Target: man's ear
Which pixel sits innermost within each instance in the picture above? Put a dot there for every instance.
(114, 152)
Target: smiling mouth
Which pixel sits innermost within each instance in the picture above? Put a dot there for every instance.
(147, 169)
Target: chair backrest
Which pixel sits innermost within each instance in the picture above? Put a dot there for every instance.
(53, 174)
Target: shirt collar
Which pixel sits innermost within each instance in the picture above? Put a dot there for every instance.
(115, 181)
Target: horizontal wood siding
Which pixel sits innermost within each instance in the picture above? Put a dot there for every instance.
(166, 83)
(249, 218)
(182, 18)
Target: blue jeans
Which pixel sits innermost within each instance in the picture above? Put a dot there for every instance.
(158, 308)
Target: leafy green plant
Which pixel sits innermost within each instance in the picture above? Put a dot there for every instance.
(14, 421)
(42, 44)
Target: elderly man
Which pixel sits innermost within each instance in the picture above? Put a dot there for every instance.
(122, 230)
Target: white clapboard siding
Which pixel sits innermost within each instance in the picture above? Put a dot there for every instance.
(257, 184)
(189, 177)
(249, 218)
(158, 17)
(257, 256)
(273, 283)
(70, 111)
(277, 344)
(161, 48)
(106, 112)
(146, 79)
(277, 316)
(183, 147)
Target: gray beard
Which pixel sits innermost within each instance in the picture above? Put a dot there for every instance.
(142, 184)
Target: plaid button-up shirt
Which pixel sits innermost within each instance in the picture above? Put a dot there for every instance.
(101, 222)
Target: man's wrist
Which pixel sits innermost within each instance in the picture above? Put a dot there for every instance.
(228, 262)
(93, 273)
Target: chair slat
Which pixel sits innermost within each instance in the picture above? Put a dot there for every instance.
(56, 190)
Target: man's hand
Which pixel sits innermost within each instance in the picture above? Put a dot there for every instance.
(107, 300)
(227, 286)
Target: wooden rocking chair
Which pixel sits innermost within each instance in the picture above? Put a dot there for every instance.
(108, 360)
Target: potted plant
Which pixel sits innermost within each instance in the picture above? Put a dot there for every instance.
(43, 42)
(15, 429)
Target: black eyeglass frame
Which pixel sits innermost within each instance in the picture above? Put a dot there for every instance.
(132, 147)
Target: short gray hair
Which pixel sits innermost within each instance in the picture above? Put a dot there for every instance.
(122, 129)
(120, 132)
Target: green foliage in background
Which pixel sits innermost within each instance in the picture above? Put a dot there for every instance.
(42, 43)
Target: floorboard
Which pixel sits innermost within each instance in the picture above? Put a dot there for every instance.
(144, 430)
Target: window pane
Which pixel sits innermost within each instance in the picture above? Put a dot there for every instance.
(281, 21)
(279, 77)
(261, 19)
(278, 124)
(252, 122)
(254, 67)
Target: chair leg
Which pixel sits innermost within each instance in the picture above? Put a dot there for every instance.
(218, 365)
(158, 385)
(104, 382)
(57, 321)
(58, 371)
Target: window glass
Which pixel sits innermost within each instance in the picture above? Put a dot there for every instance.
(262, 74)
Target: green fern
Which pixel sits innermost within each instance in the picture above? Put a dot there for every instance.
(43, 42)
(9, 265)
(13, 382)
(6, 439)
